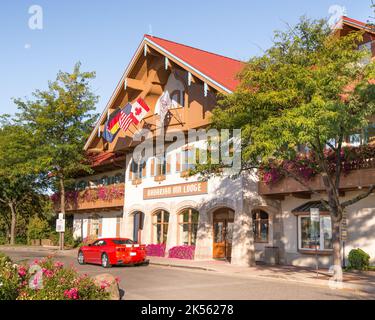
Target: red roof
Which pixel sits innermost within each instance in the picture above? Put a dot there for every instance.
(357, 23)
(222, 70)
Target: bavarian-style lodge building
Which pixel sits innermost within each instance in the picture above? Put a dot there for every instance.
(156, 202)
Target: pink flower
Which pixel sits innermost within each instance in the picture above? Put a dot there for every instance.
(71, 294)
(58, 264)
(48, 273)
(117, 279)
(22, 271)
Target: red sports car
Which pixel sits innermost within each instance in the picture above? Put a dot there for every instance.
(108, 252)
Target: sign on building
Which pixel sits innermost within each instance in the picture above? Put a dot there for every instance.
(60, 225)
(314, 214)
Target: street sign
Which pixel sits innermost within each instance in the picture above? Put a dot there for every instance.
(60, 225)
(344, 228)
(61, 216)
(314, 214)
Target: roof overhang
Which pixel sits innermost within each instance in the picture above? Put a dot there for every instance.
(146, 41)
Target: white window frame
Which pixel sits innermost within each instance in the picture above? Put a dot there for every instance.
(321, 238)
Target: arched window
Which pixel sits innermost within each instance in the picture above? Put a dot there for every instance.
(188, 226)
(260, 226)
(160, 226)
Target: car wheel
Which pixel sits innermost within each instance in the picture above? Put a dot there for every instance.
(105, 261)
(81, 258)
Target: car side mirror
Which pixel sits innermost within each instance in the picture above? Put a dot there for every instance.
(90, 244)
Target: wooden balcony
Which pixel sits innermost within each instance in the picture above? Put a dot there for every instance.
(356, 179)
(101, 199)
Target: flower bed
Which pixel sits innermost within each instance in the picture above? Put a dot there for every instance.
(155, 250)
(182, 252)
(46, 280)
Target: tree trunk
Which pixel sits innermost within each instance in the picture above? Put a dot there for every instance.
(13, 223)
(62, 209)
(336, 244)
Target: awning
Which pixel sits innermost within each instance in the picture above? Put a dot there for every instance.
(305, 208)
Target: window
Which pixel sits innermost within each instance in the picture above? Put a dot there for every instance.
(82, 185)
(99, 243)
(122, 242)
(260, 226)
(160, 166)
(104, 181)
(188, 225)
(117, 179)
(314, 235)
(160, 226)
(370, 134)
(138, 170)
(188, 159)
(177, 98)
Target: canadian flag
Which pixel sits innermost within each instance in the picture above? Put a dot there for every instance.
(140, 110)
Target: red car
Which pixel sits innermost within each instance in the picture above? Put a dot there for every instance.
(109, 252)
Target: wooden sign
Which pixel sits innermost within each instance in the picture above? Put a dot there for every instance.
(176, 190)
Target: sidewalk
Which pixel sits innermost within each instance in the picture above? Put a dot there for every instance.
(364, 282)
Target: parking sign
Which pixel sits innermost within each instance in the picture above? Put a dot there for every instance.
(60, 225)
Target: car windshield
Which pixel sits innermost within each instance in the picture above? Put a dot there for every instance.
(123, 241)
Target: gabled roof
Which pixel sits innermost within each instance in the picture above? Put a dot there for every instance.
(309, 205)
(218, 68)
(218, 71)
(356, 24)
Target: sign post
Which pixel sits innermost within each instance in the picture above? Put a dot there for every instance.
(315, 219)
(344, 236)
(60, 228)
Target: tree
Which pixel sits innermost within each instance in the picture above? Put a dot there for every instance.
(311, 89)
(61, 119)
(19, 177)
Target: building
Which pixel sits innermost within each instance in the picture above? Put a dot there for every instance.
(155, 201)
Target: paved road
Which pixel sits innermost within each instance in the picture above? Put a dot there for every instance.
(166, 283)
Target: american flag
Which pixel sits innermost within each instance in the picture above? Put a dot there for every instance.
(127, 118)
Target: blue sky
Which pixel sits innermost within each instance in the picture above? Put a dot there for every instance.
(103, 35)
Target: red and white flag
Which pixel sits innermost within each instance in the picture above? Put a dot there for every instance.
(140, 109)
(127, 117)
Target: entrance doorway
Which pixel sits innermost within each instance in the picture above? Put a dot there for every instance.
(223, 221)
(138, 226)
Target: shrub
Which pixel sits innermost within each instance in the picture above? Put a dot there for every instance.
(155, 250)
(359, 260)
(9, 279)
(182, 252)
(37, 229)
(46, 280)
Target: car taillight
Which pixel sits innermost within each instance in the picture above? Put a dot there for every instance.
(119, 249)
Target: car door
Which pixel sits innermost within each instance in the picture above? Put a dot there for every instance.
(90, 252)
(98, 250)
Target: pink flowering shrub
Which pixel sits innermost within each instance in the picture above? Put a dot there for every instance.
(182, 252)
(155, 250)
(46, 279)
(306, 166)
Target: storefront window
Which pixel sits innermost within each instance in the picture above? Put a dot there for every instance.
(315, 235)
(260, 226)
(188, 224)
(160, 225)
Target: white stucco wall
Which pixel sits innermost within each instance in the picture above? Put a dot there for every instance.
(360, 222)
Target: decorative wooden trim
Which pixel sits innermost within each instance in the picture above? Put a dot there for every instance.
(153, 167)
(322, 213)
(313, 252)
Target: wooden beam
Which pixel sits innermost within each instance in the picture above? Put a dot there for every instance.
(135, 84)
(302, 195)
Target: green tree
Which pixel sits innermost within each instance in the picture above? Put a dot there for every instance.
(61, 119)
(311, 88)
(19, 172)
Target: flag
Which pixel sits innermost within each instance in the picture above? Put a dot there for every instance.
(112, 127)
(163, 105)
(140, 110)
(127, 117)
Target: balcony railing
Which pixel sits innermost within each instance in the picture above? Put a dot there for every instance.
(105, 197)
(360, 178)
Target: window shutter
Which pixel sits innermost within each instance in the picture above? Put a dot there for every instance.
(168, 170)
(153, 167)
(178, 162)
(143, 169)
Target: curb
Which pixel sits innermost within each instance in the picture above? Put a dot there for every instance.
(321, 283)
